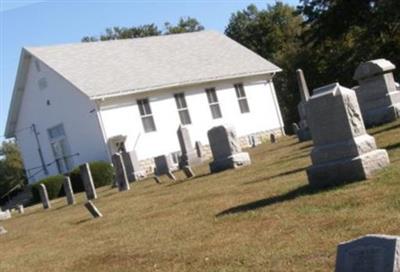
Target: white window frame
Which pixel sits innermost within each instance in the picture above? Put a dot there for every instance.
(242, 98)
(183, 109)
(64, 162)
(146, 114)
(213, 104)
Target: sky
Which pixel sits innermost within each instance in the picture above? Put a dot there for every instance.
(36, 23)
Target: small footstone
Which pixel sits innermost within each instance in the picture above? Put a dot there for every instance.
(2, 230)
(188, 172)
(92, 209)
(171, 175)
(157, 180)
(379, 253)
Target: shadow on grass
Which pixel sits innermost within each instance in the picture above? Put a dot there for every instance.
(288, 159)
(393, 146)
(385, 129)
(300, 191)
(178, 182)
(83, 221)
(290, 172)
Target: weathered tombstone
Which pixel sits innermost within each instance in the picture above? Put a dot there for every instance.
(120, 173)
(157, 180)
(44, 196)
(20, 209)
(377, 95)
(132, 165)
(272, 138)
(2, 230)
(69, 193)
(226, 150)
(5, 215)
(374, 253)
(343, 151)
(163, 164)
(188, 172)
(303, 133)
(189, 156)
(88, 181)
(93, 209)
(199, 150)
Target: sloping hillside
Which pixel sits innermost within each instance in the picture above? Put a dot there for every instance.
(259, 218)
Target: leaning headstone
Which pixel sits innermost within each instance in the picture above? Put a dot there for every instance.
(225, 149)
(188, 172)
(93, 209)
(132, 165)
(44, 196)
(2, 230)
(189, 156)
(343, 151)
(20, 209)
(375, 253)
(69, 193)
(199, 149)
(5, 215)
(303, 133)
(120, 173)
(377, 94)
(88, 181)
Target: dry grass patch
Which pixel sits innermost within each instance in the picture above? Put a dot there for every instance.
(258, 218)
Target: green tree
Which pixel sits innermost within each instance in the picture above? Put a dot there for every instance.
(274, 33)
(11, 167)
(185, 24)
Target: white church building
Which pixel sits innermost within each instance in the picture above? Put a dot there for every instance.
(76, 103)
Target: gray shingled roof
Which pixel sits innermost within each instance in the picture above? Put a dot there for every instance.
(110, 68)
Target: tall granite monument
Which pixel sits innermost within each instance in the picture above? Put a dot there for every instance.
(226, 149)
(343, 151)
(377, 94)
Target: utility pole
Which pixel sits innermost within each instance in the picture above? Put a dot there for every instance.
(39, 150)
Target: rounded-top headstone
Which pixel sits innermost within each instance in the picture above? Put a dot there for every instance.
(372, 68)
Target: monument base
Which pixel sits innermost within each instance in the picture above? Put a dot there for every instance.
(303, 135)
(382, 111)
(234, 161)
(347, 170)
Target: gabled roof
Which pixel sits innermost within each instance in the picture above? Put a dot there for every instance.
(118, 67)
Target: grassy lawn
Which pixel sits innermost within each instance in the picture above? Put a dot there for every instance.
(258, 218)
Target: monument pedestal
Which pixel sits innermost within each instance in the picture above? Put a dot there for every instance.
(233, 161)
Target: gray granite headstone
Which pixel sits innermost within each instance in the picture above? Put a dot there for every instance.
(163, 164)
(69, 192)
(199, 149)
(377, 94)
(189, 156)
(87, 180)
(132, 165)
(2, 230)
(121, 178)
(226, 149)
(44, 196)
(93, 209)
(370, 253)
(303, 133)
(343, 151)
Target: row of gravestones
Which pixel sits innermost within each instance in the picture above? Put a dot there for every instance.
(378, 96)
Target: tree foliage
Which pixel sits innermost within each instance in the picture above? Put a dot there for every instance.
(11, 167)
(185, 24)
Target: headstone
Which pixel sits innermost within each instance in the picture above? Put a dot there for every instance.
(371, 253)
(199, 149)
(189, 156)
(272, 138)
(157, 180)
(377, 95)
(120, 173)
(5, 215)
(20, 209)
(44, 196)
(188, 172)
(252, 141)
(303, 133)
(88, 181)
(2, 230)
(163, 164)
(226, 150)
(69, 193)
(93, 209)
(343, 151)
(132, 165)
